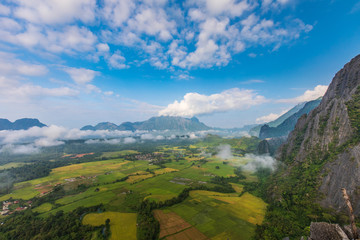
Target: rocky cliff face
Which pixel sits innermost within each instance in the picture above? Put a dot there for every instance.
(329, 136)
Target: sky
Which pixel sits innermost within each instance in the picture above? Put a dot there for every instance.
(229, 62)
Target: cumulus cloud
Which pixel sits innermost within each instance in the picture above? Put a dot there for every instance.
(206, 33)
(11, 65)
(308, 95)
(117, 61)
(55, 11)
(81, 75)
(197, 104)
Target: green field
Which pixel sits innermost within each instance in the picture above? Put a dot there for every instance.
(121, 184)
(122, 225)
(118, 154)
(11, 165)
(222, 216)
(45, 207)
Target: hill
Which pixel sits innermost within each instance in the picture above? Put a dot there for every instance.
(155, 123)
(289, 121)
(255, 131)
(321, 156)
(20, 124)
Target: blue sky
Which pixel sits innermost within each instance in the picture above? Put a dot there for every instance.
(228, 62)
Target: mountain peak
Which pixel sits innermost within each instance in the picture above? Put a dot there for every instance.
(20, 124)
(159, 123)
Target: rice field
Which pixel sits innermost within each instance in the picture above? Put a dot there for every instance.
(203, 215)
(122, 225)
(221, 216)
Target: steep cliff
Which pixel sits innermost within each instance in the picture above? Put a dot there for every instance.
(329, 136)
(320, 156)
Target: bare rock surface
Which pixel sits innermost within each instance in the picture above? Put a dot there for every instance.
(326, 231)
(322, 131)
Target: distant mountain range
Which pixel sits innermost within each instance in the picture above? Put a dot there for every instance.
(282, 126)
(155, 123)
(20, 124)
(289, 123)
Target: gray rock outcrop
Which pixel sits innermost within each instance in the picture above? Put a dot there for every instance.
(324, 134)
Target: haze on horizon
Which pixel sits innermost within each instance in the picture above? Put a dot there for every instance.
(229, 63)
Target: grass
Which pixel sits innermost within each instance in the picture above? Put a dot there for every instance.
(222, 216)
(118, 154)
(218, 216)
(45, 207)
(12, 165)
(224, 170)
(104, 198)
(122, 225)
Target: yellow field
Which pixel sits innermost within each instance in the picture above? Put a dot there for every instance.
(237, 187)
(29, 189)
(122, 225)
(138, 178)
(165, 170)
(247, 207)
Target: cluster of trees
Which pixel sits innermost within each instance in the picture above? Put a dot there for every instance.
(57, 193)
(37, 169)
(293, 202)
(25, 225)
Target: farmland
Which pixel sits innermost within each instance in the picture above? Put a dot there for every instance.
(122, 225)
(121, 181)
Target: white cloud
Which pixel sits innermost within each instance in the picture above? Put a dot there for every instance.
(231, 7)
(81, 75)
(20, 149)
(55, 11)
(12, 91)
(10, 65)
(308, 95)
(153, 22)
(117, 61)
(259, 161)
(4, 10)
(129, 140)
(197, 104)
(103, 47)
(203, 33)
(117, 12)
(270, 117)
(109, 93)
(69, 39)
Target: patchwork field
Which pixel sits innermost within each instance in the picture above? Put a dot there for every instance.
(221, 216)
(172, 226)
(121, 184)
(122, 225)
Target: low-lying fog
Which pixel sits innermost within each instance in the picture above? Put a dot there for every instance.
(32, 140)
(250, 162)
